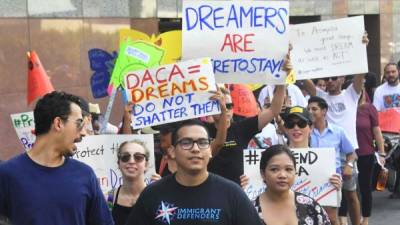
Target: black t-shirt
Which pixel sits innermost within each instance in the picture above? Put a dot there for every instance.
(228, 162)
(215, 201)
(120, 213)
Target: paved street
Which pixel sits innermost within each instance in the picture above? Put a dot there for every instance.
(385, 211)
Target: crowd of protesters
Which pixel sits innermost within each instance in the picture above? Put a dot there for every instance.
(199, 163)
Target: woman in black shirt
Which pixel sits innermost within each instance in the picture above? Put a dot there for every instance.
(133, 159)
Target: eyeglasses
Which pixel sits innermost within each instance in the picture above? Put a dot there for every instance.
(79, 123)
(138, 157)
(188, 143)
(326, 79)
(291, 123)
(229, 106)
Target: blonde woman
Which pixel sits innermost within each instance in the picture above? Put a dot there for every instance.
(133, 160)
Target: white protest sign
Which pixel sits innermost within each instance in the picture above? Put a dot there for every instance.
(171, 93)
(247, 40)
(314, 167)
(100, 153)
(329, 48)
(24, 125)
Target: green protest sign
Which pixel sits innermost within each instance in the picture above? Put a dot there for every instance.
(134, 56)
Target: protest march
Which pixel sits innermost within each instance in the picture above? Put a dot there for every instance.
(220, 112)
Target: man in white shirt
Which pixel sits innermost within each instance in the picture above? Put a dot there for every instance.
(342, 103)
(387, 95)
(342, 111)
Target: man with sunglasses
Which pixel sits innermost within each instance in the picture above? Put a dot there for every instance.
(43, 186)
(228, 161)
(342, 104)
(193, 195)
(342, 111)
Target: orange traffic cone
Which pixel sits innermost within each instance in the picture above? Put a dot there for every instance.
(38, 82)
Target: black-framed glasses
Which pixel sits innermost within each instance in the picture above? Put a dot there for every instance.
(188, 143)
(229, 106)
(291, 123)
(138, 157)
(326, 79)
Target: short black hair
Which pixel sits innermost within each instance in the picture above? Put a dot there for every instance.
(320, 101)
(84, 106)
(50, 106)
(187, 123)
(272, 151)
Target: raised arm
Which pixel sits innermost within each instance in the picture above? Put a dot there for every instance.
(310, 87)
(126, 119)
(266, 115)
(358, 80)
(221, 125)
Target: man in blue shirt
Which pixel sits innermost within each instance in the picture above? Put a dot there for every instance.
(46, 187)
(326, 134)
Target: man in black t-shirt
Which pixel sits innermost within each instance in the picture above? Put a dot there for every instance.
(192, 195)
(228, 162)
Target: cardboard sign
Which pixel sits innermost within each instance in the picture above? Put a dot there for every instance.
(102, 63)
(314, 168)
(171, 93)
(170, 42)
(100, 153)
(389, 120)
(24, 125)
(133, 56)
(247, 40)
(329, 48)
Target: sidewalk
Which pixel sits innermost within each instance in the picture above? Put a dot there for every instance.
(385, 211)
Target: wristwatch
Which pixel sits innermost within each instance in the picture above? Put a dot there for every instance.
(350, 164)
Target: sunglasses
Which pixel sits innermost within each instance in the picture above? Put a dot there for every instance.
(291, 123)
(188, 143)
(326, 79)
(138, 157)
(229, 106)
